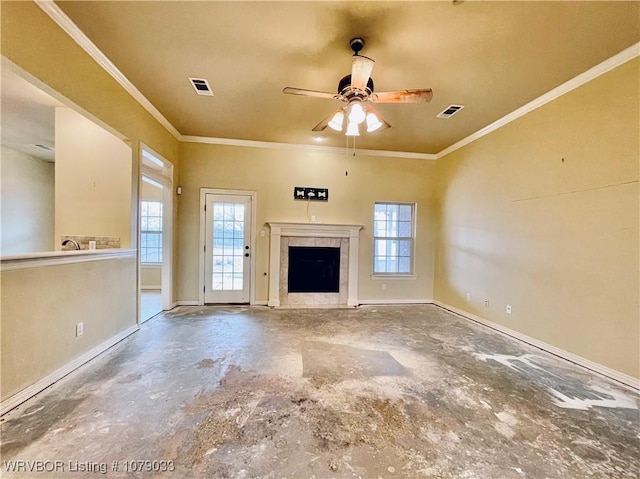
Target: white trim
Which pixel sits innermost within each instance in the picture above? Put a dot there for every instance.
(27, 393)
(254, 206)
(165, 177)
(313, 230)
(297, 146)
(393, 276)
(151, 287)
(150, 174)
(382, 302)
(55, 258)
(186, 303)
(625, 379)
(64, 22)
(585, 77)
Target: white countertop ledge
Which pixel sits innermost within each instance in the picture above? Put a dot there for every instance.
(50, 258)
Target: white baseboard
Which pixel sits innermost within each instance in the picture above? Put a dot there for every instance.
(625, 379)
(148, 287)
(187, 303)
(27, 393)
(197, 303)
(365, 302)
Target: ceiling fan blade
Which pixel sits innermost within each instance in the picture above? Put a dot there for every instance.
(402, 96)
(313, 93)
(361, 69)
(323, 124)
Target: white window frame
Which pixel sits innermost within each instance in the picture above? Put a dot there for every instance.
(154, 232)
(411, 238)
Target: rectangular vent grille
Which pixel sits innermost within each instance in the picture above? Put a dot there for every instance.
(201, 86)
(449, 111)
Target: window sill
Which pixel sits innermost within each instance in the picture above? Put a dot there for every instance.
(392, 276)
(151, 265)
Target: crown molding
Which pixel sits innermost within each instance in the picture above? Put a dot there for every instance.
(64, 22)
(297, 146)
(591, 74)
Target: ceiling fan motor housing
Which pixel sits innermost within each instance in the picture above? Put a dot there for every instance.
(344, 88)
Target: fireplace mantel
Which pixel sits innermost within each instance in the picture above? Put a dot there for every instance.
(313, 230)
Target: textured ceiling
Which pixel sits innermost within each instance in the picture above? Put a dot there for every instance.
(491, 57)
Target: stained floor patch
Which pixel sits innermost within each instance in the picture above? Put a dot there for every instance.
(337, 362)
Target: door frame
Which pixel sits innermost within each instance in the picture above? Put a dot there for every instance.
(252, 276)
(166, 180)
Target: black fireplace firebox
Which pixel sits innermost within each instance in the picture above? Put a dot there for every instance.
(314, 269)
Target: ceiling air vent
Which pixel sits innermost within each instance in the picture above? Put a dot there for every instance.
(449, 111)
(202, 86)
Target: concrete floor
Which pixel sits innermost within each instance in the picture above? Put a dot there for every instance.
(404, 392)
(150, 303)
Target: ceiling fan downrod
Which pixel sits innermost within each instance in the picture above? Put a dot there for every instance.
(356, 45)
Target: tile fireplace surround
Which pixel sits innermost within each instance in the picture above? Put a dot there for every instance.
(283, 235)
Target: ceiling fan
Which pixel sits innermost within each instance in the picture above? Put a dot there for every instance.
(357, 91)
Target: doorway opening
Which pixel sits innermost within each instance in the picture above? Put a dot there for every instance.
(155, 234)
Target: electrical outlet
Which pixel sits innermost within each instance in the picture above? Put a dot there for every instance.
(79, 329)
(508, 309)
(384, 286)
(313, 218)
(468, 296)
(486, 303)
(263, 233)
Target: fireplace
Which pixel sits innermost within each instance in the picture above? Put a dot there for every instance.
(314, 269)
(313, 265)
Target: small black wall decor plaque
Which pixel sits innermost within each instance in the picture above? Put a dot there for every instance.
(310, 194)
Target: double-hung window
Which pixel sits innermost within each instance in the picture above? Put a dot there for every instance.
(151, 231)
(393, 234)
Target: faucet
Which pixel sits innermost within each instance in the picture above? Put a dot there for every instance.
(74, 242)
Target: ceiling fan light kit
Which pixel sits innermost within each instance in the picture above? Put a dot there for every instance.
(373, 123)
(337, 121)
(357, 90)
(352, 129)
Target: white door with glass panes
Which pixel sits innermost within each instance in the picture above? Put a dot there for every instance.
(227, 248)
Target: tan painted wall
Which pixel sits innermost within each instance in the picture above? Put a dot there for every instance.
(274, 173)
(27, 203)
(31, 40)
(151, 277)
(93, 180)
(40, 309)
(543, 215)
